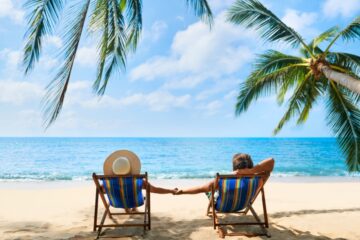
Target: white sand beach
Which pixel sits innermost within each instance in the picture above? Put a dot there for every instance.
(311, 209)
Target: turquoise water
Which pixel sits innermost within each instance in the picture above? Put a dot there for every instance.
(23, 159)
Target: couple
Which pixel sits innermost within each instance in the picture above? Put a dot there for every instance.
(125, 162)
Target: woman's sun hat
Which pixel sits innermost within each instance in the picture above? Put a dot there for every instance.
(122, 162)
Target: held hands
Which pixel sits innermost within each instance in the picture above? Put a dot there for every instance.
(177, 191)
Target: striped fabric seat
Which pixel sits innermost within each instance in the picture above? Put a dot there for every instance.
(235, 194)
(124, 192)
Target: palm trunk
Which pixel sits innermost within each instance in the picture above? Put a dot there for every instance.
(343, 79)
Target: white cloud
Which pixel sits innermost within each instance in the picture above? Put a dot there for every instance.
(155, 101)
(200, 54)
(344, 8)
(48, 62)
(86, 56)
(231, 95)
(159, 101)
(180, 18)
(12, 58)
(157, 29)
(212, 107)
(16, 92)
(217, 5)
(300, 21)
(53, 41)
(9, 9)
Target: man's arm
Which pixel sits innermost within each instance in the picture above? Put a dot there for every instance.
(266, 165)
(197, 189)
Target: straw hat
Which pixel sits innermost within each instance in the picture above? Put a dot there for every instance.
(122, 162)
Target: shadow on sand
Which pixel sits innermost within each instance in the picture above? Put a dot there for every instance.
(167, 228)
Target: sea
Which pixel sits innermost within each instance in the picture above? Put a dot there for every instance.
(75, 159)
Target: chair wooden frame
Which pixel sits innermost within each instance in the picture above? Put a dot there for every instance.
(264, 225)
(100, 191)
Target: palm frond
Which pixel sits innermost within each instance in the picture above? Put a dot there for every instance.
(100, 22)
(116, 49)
(302, 100)
(252, 14)
(56, 90)
(201, 9)
(350, 32)
(272, 69)
(313, 92)
(134, 15)
(349, 61)
(344, 119)
(41, 22)
(325, 36)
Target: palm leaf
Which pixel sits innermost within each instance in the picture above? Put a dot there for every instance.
(303, 98)
(116, 49)
(41, 21)
(344, 119)
(201, 9)
(134, 15)
(294, 103)
(350, 62)
(100, 22)
(272, 69)
(350, 32)
(315, 89)
(252, 14)
(57, 88)
(325, 36)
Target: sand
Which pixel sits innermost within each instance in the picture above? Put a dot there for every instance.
(298, 209)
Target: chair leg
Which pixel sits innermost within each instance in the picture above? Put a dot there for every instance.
(145, 215)
(258, 220)
(102, 223)
(96, 209)
(264, 208)
(148, 202)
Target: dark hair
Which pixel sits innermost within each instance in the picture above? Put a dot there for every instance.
(241, 161)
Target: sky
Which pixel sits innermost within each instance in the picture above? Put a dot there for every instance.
(181, 82)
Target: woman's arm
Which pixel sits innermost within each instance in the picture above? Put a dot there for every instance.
(197, 189)
(159, 190)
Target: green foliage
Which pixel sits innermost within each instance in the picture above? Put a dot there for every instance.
(325, 36)
(56, 90)
(275, 72)
(42, 19)
(350, 32)
(347, 61)
(201, 9)
(271, 71)
(117, 23)
(252, 14)
(344, 119)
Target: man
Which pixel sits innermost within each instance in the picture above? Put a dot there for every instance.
(242, 164)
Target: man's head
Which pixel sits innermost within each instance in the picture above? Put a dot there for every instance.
(242, 161)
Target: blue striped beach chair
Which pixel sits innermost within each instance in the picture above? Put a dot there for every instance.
(236, 194)
(121, 192)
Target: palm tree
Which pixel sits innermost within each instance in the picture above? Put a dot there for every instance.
(116, 24)
(316, 73)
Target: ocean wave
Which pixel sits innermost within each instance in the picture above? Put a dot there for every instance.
(58, 177)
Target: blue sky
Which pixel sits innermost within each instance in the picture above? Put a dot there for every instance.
(181, 82)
